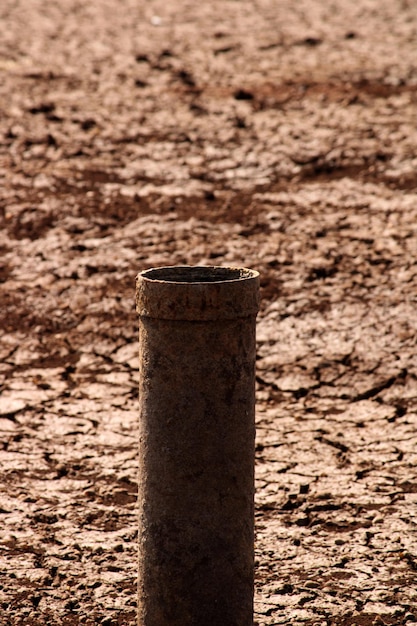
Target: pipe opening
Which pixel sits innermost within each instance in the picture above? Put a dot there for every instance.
(198, 274)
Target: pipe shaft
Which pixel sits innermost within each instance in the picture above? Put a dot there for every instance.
(196, 446)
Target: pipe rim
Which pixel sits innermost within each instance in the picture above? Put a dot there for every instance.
(198, 274)
(197, 292)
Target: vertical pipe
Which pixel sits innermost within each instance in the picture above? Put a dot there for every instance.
(196, 445)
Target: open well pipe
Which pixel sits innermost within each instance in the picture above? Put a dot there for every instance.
(196, 446)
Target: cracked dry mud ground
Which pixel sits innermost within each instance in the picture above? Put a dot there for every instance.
(275, 135)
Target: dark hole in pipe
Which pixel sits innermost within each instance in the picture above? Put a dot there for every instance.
(198, 274)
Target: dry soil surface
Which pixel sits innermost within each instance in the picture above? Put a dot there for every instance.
(277, 135)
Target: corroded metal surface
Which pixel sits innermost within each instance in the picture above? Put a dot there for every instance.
(196, 448)
(197, 293)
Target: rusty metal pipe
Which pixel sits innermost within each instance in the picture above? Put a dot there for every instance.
(196, 445)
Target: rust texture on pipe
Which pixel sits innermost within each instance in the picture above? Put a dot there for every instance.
(196, 445)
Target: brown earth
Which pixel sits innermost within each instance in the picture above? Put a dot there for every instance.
(275, 135)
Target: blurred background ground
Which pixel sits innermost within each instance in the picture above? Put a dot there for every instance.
(276, 135)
